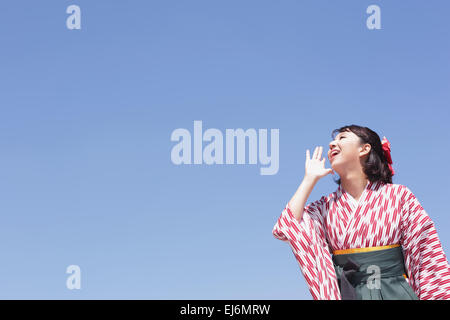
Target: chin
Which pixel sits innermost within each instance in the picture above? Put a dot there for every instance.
(335, 166)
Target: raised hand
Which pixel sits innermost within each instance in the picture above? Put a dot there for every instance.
(315, 166)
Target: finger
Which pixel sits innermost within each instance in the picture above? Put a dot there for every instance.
(307, 155)
(320, 152)
(315, 153)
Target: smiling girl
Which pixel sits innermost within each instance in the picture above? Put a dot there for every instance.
(370, 239)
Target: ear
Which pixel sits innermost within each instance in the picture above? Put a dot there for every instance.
(365, 149)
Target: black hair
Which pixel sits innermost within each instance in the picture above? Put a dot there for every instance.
(376, 166)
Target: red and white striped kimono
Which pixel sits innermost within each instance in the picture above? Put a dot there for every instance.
(385, 214)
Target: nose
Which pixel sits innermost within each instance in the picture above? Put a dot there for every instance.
(332, 145)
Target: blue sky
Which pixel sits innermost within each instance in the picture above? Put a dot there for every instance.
(86, 119)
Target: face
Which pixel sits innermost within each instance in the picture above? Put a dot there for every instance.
(346, 151)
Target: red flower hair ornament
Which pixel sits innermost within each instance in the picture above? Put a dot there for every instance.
(386, 145)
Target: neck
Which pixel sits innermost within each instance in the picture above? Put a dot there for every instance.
(354, 184)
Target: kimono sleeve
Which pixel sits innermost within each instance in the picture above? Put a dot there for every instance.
(307, 239)
(425, 260)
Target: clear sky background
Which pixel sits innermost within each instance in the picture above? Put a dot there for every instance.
(86, 116)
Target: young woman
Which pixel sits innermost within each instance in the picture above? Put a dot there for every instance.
(370, 239)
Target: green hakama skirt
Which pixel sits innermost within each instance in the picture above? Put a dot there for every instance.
(373, 275)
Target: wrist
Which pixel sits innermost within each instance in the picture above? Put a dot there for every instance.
(310, 179)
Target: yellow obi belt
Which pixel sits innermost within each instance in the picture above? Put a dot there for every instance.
(369, 249)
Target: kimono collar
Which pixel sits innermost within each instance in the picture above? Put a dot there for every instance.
(369, 186)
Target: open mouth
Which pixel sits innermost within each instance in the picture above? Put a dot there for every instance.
(333, 154)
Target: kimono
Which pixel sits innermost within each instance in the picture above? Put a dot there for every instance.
(386, 214)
